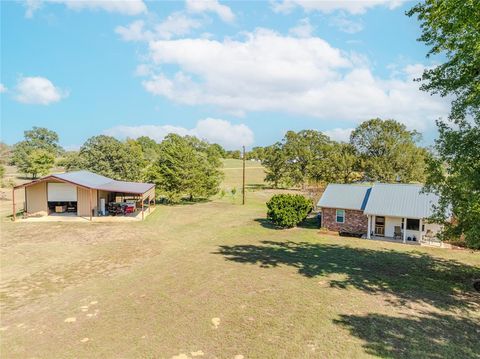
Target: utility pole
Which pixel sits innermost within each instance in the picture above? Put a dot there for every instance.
(243, 186)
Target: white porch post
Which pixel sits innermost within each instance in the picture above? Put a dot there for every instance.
(374, 220)
(421, 230)
(404, 230)
(369, 226)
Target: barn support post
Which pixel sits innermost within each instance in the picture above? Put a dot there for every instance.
(143, 214)
(90, 200)
(13, 205)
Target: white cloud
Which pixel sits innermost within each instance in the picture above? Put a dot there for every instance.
(223, 11)
(303, 29)
(3, 88)
(223, 132)
(304, 76)
(38, 91)
(343, 23)
(329, 6)
(135, 31)
(125, 7)
(143, 70)
(339, 134)
(31, 7)
(176, 24)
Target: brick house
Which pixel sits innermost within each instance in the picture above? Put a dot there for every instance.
(342, 208)
(397, 211)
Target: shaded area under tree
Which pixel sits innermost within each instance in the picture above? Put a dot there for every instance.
(406, 276)
(430, 336)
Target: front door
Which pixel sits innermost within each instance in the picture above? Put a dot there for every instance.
(379, 226)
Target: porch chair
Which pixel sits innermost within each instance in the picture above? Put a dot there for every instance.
(397, 232)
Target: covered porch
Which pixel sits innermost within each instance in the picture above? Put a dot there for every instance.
(124, 204)
(401, 229)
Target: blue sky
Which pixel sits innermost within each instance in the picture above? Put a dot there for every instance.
(230, 72)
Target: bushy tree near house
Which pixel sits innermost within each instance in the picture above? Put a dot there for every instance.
(455, 175)
(342, 164)
(452, 29)
(38, 163)
(275, 162)
(43, 138)
(187, 167)
(221, 152)
(235, 154)
(110, 157)
(305, 151)
(5, 153)
(388, 151)
(71, 161)
(288, 210)
(36, 154)
(298, 159)
(149, 148)
(257, 153)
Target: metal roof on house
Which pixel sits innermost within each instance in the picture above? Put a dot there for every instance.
(381, 199)
(345, 196)
(94, 181)
(400, 200)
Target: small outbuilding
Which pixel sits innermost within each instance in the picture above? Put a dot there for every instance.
(381, 210)
(85, 194)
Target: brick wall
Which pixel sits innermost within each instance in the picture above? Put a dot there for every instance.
(355, 221)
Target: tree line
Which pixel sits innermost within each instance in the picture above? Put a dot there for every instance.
(378, 150)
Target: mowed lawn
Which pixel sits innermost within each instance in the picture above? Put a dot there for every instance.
(214, 280)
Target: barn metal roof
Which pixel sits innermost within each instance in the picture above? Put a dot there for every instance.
(400, 200)
(381, 199)
(345, 196)
(84, 178)
(94, 181)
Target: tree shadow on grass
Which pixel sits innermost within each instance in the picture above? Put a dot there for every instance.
(257, 186)
(183, 202)
(308, 223)
(430, 336)
(407, 276)
(265, 223)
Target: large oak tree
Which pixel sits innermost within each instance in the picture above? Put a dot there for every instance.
(35, 155)
(452, 29)
(389, 152)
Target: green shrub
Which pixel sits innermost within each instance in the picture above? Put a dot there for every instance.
(288, 210)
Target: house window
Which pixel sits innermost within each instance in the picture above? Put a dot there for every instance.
(340, 216)
(413, 224)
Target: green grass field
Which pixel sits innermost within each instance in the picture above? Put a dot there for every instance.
(214, 280)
